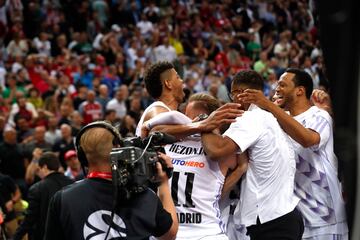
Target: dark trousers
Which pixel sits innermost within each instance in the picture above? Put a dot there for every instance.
(287, 227)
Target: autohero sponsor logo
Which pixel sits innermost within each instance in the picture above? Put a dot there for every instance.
(189, 217)
(188, 163)
(186, 150)
(98, 224)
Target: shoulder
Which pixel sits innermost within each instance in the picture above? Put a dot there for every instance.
(36, 187)
(317, 114)
(74, 189)
(255, 115)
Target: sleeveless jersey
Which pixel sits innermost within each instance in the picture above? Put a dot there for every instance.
(196, 187)
(154, 104)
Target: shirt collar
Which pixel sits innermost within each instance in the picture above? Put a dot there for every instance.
(252, 107)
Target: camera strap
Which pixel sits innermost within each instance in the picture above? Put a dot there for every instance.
(103, 175)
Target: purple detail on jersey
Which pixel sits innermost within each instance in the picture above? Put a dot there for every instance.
(321, 128)
(218, 213)
(317, 210)
(322, 181)
(330, 218)
(316, 176)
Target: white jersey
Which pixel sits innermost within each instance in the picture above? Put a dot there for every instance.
(234, 231)
(316, 181)
(154, 104)
(196, 189)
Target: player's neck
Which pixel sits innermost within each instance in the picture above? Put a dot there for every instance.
(299, 107)
(100, 168)
(169, 101)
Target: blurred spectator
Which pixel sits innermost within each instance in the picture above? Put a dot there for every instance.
(146, 27)
(253, 47)
(118, 102)
(73, 170)
(35, 98)
(127, 127)
(18, 46)
(66, 108)
(77, 121)
(110, 116)
(10, 91)
(261, 66)
(39, 196)
(80, 96)
(52, 134)
(165, 52)
(111, 79)
(8, 191)
(42, 44)
(135, 108)
(152, 12)
(22, 108)
(282, 50)
(37, 142)
(103, 96)
(91, 110)
(12, 161)
(24, 131)
(64, 144)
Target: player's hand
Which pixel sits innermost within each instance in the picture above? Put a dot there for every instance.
(166, 163)
(255, 97)
(226, 114)
(37, 154)
(321, 99)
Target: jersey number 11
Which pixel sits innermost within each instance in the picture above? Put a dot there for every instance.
(188, 189)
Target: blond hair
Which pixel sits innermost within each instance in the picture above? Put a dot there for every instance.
(205, 101)
(97, 144)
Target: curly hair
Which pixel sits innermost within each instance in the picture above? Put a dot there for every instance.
(152, 79)
(249, 78)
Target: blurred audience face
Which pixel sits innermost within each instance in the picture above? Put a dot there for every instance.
(52, 122)
(65, 131)
(39, 134)
(76, 118)
(103, 90)
(122, 93)
(91, 96)
(22, 124)
(73, 163)
(10, 136)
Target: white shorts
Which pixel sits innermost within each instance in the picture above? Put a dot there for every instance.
(329, 237)
(215, 237)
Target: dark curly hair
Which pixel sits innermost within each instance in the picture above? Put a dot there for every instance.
(249, 78)
(152, 79)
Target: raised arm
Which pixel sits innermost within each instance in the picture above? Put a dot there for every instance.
(304, 136)
(224, 115)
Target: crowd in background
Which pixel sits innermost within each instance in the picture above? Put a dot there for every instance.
(66, 63)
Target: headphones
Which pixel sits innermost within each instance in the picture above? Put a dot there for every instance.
(97, 124)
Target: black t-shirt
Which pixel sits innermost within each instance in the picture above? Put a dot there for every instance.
(12, 160)
(83, 211)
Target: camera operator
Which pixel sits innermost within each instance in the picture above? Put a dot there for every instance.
(84, 210)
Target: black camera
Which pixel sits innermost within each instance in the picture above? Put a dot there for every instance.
(134, 164)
